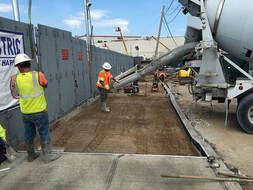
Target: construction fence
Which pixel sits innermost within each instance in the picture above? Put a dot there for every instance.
(63, 59)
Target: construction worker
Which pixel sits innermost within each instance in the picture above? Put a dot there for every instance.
(30, 87)
(103, 84)
(2, 144)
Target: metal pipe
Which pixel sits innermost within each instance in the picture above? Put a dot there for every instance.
(31, 32)
(126, 73)
(166, 59)
(4, 169)
(221, 179)
(15, 10)
(87, 25)
(87, 5)
(30, 12)
(218, 15)
(237, 67)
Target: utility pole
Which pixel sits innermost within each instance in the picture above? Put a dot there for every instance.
(87, 5)
(15, 10)
(159, 32)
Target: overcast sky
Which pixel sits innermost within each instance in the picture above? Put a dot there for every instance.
(135, 17)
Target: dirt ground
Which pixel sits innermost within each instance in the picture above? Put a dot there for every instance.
(230, 142)
(142, 124)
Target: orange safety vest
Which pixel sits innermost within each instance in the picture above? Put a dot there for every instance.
(106, 78)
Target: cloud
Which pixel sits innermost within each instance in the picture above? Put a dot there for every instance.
(5, 8)
(100, 19)
(73, 22)
(97, 14)
(117, 22)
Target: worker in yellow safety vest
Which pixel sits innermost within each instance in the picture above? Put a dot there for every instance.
(103, 85)
(29, 85)
(2, 144)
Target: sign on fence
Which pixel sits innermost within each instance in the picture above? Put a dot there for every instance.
(11, 44)
(80, 56)
(65, 54)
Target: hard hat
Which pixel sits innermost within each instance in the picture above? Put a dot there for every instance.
(107, 66)
(20, 58)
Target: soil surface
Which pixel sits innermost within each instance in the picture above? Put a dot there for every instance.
(143, 124)
(230, 142)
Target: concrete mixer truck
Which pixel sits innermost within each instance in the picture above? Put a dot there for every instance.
(219, 46)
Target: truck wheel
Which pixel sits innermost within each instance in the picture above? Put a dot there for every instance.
(245, 113)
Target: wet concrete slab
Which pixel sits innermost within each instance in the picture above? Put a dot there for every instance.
(109, 172)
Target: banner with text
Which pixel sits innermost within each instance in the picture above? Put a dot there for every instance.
(11, 44)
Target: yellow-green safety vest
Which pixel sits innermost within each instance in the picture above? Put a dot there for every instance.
(2, 133)
(32, 98)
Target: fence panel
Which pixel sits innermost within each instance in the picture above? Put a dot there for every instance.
(50, 65)
(66, 70)
(80, 67)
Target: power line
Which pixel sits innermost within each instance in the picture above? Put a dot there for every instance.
(168, 28)
(172, 12)
(175, 16)
(169, 7)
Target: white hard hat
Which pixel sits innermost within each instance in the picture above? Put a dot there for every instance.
(20, 58)
(107, 66)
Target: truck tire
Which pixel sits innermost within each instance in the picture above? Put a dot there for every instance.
(244, 113)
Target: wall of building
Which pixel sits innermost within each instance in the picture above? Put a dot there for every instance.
(146, 45)
(109, 38)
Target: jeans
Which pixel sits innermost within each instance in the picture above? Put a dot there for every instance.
(37, 121)
(2, 151)
(103, 94)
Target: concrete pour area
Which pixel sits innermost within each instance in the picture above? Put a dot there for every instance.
(137, 124)
(128, 148)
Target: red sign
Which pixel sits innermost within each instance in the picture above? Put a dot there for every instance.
(80, 56)
(65, 54)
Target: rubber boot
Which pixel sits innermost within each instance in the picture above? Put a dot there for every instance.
(107, 107)
(32, 155)
(47, 156)
(11, 154)
(104, 108)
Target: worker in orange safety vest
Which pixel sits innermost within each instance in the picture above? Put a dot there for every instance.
(103, 84)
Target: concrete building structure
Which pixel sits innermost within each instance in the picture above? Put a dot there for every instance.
(137, 45)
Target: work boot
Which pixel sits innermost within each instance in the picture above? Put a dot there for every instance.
(47, 155)
(104, 108)
(108, 108)
(32, 155)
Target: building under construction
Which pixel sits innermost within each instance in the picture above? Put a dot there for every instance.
(137, 45)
